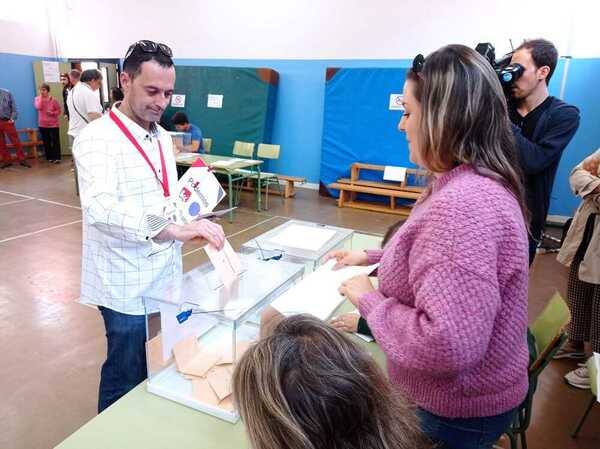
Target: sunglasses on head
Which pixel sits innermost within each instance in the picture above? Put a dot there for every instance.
(418, 62)
(149, 47)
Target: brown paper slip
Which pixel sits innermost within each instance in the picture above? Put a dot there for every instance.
(219, 379)
(202, 392)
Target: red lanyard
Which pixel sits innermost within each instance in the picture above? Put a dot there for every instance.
(165, 177)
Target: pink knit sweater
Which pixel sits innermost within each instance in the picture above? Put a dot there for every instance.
(451, 309)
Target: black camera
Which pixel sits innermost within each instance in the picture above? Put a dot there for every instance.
(507, 73)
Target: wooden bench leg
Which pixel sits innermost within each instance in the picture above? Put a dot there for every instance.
(289, 189)
(341, 199)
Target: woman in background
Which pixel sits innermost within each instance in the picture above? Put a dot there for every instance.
(308, 386)
(48, 123)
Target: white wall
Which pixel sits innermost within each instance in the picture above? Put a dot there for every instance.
(317, 29)
(24, 28)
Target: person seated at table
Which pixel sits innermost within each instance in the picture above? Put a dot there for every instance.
(308, 386)
(450, 309)
(182, 125)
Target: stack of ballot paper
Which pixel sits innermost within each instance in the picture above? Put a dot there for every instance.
(317, 294)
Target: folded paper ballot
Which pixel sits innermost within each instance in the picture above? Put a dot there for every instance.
(198, 192)
(226, 262)
(192, 359)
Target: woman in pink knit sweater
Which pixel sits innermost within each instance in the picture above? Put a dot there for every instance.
(450, 311)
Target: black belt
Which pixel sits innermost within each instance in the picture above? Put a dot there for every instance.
(4, 119)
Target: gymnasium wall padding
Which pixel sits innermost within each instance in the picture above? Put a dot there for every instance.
(358, 125)
(248, 110)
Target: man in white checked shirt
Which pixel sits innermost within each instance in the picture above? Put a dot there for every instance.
(126, 174)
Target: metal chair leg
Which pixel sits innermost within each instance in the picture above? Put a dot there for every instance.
(523, 440)
(513, 441)
(583, 418)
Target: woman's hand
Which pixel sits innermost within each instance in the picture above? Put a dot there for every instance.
(346, 258)
(355, 287)
(347, 322)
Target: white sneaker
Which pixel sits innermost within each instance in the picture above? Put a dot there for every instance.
(579, 378)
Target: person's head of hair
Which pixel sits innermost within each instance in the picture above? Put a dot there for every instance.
(308, 386)
(46, 87)
(116, 94)
(64, 79)
(543, 53)
(91, 75)
(462, 117)
(147, 80)
(138, 53)
(180, 121)
(74, 76)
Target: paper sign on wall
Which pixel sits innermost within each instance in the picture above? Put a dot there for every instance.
(396, 102)
(178, 101)
(214, 101)
(51, 71)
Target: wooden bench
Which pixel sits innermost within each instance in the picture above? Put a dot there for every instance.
(32, 141)
(350, 187)
(289, 186)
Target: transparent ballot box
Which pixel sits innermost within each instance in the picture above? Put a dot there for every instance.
(181, 141)
(299, 242)
(197, 329)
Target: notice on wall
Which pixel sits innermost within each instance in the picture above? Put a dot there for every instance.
(214, 101)
(392, 173)
(396, 102)
(178, 101)
(51, 71)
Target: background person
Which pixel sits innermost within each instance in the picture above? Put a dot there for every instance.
(48, 123)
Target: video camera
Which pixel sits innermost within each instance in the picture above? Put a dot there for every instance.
(507, 73)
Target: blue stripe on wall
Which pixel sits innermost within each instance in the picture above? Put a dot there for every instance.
(16, 75)
(299, 114)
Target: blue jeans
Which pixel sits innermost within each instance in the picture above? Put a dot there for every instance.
(125, 365)
(465, 433)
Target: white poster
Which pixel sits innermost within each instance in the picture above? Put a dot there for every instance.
(396, 102)
(392, 173)
(51, 71)
(178, 101)
(214, 101)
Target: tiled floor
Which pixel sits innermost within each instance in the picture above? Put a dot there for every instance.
(52, 347)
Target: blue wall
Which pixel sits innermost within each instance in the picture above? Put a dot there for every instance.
(299, 114)
(16, 75)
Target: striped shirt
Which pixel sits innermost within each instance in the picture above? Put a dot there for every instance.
(123, 206)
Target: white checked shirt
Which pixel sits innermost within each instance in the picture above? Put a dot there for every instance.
(122, 203)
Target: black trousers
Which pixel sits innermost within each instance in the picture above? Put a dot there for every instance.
(51, 139)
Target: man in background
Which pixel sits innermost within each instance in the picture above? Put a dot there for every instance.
(83, 102)
(183, 125)
(8, 115)
(543, 126)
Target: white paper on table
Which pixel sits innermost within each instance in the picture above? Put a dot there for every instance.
(392, 173)
(311, 238)
(50, 71)
(225, 162)
(214, 101)
(173, 332)
(186, 156)
(317, 294)
(597, 362)
(198, 192)
(226, 262)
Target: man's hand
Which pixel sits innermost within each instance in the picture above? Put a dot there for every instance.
(202, 229)
(591, 164)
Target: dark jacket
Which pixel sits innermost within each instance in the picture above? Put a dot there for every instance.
(541, 155)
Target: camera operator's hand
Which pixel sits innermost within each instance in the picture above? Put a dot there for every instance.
(591, 164)
(203, 229)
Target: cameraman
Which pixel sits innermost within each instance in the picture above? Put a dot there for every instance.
(543, 126)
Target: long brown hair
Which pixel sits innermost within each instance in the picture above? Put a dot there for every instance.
(465, 119)
(307, 386)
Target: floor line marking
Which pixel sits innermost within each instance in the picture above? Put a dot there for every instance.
(28, 234)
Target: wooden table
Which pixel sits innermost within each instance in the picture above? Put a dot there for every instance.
(227, 166)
